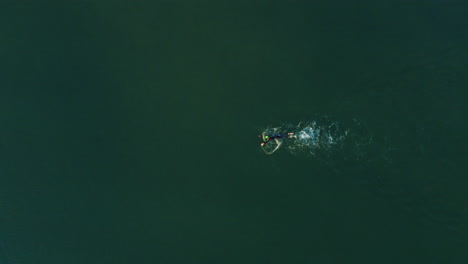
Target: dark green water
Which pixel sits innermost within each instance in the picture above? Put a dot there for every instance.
(128, 131)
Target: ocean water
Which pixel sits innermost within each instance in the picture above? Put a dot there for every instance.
(129, 132)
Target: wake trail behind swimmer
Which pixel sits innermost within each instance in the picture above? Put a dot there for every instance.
(322, 138)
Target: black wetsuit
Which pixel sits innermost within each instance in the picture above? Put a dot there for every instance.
(273, 136)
